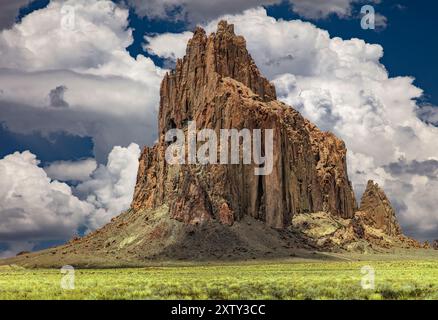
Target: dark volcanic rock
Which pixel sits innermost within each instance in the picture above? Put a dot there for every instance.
(218, 86)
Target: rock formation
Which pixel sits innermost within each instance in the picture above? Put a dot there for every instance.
(225, 211)
(377, 212)
(218, 85)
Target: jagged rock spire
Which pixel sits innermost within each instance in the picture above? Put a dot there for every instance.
(378, 211)
(233, 60)
(207, 60)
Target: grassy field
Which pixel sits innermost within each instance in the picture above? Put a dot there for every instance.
(314, 280)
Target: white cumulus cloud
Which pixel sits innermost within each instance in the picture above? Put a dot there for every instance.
(71, 170)
(35, 207)
(111, 187)
(66, 68)
(160, 45)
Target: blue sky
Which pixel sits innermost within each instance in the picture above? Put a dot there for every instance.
(65, 141)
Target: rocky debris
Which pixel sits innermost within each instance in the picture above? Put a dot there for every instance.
(373, 226)
(334, 233)
(218, 86)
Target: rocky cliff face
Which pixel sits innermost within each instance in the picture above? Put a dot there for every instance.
(218, 86)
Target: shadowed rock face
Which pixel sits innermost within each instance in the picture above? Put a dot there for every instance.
(218, 86)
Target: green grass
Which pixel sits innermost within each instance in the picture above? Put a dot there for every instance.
(315, 280)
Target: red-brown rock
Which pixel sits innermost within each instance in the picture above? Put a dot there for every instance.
(218, 86)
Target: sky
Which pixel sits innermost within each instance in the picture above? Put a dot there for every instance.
(79, 94)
